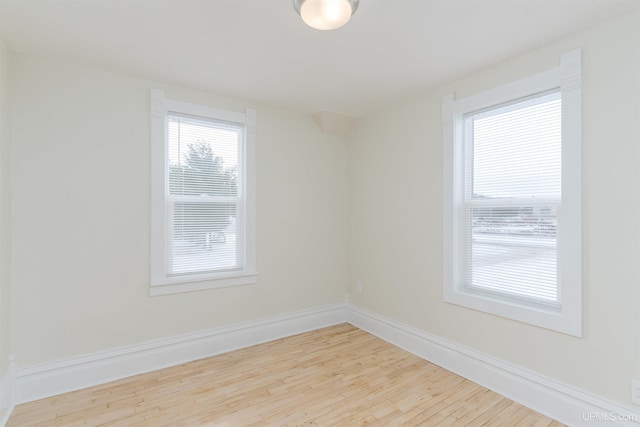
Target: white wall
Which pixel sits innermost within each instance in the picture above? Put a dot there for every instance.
(5, 220)
(80, 186)
(396, 218)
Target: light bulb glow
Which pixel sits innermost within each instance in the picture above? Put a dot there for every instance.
(326, 14)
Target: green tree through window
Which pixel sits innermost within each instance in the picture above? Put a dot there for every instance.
(202, 173)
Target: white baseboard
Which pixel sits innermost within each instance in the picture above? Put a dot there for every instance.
(49, 379)
(7, 395)
(562, 402)
(559, 401)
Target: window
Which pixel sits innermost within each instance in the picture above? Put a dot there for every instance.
(202, 207)
(512, 204)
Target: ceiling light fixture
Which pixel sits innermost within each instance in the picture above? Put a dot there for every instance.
(325, 14)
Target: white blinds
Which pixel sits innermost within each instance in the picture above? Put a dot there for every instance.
(512, 197)
(203, 201)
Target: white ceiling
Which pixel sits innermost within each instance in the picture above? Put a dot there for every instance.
(261, 50)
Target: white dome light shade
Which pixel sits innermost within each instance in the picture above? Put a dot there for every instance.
(326, 14)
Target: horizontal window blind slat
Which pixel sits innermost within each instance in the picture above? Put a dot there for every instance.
(203, 198)
(513, 193)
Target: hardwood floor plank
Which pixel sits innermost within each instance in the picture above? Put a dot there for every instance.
(337, 376)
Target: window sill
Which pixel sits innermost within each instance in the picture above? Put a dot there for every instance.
(552, 318)
(192, 283)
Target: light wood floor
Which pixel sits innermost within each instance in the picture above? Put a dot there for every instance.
(337, 376)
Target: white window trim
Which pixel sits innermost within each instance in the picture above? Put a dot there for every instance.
(568, 317)
(161, 284)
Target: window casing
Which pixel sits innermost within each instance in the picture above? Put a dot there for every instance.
(512, 199)
(203, 198)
